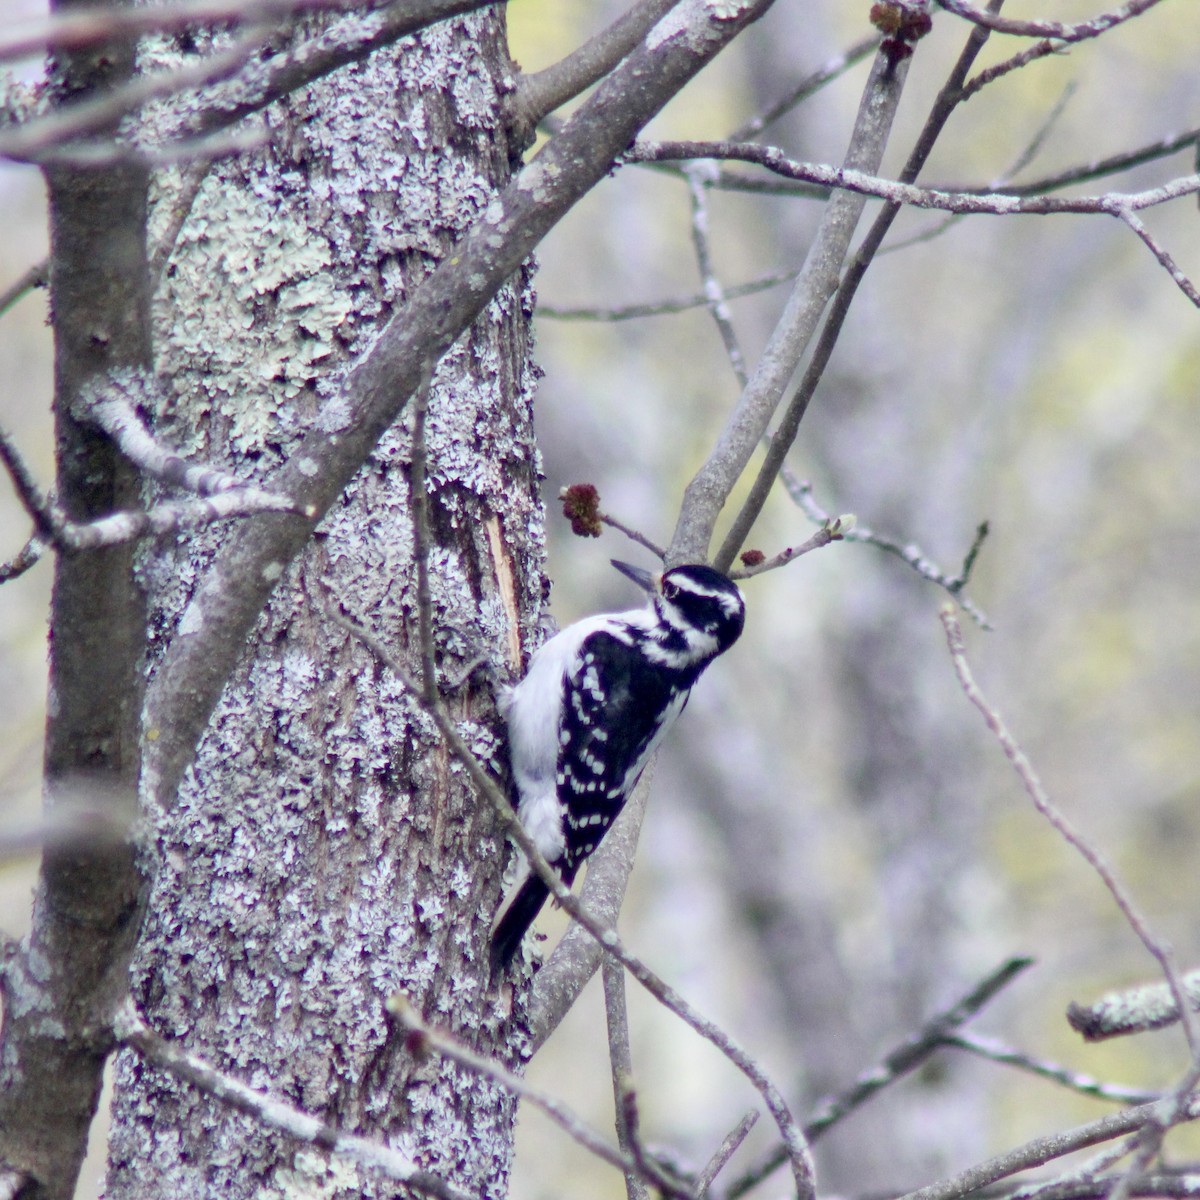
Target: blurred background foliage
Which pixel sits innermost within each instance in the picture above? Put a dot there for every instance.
(836, 847)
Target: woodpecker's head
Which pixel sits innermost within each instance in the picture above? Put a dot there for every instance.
(694, 602)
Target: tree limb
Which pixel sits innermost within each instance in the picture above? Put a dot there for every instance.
(194, 670)
(544, 91)
(710, 487)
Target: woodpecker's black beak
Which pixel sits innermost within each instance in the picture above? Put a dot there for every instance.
(644, 579)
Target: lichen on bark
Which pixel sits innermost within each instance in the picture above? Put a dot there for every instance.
(325, 851)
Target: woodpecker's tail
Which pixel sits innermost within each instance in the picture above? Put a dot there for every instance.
(526, 904)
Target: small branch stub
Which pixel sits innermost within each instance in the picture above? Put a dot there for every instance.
(755, 562)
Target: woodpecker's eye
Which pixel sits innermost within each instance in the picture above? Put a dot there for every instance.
(669, 590)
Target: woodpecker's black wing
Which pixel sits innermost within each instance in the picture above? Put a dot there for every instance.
(616, 707)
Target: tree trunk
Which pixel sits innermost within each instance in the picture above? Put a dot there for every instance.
(57, 987)
(325, 852)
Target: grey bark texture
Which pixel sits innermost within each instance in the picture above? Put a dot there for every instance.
(325, 852)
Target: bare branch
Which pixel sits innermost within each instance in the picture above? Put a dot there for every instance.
(111, 402)
(48, 139)
(900, 1061)
(1053, 30)
(833, 531)
(725, 1151)
(811, 84)
(577, 956)
(801, 493)
(863, 184)
(191, 181)
(1032, 784)
(620, 1058)
(29, 555)
(1097, 168)
(1046, 1149)
(632, 312)
(713, 291)
(66, 827)
(1076, 1081)
(1133, 1010)
(47, 520)
(171, 516)
(347, 41)
(1185, 285)
(54, 528)
(35, 277)
(707, 492)
(133, 1031)
(544, 91)
(191, 151)
(79, 29)
(633, 535)
(431, 1039)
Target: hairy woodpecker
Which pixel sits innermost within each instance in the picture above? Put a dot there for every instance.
(591, 710)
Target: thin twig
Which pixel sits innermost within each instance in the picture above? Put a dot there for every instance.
(1057, 31)
(718, 306)
(112, 404)
(77, 29)
(620, 1058)
(1045, 1149)
(1185, 285)
(132, 1030)
(72, 537)
(1077, 1081)
(48, 519)
(544, 91)
(832, 531)
(1175, 1107)
(192, 178)
(29, 555)
(633, 534)
(1035, 144)
(51, 138)
(648, 1167)
(661, 308)
(862, 183)
(808, 86)
(1032, 784)
(402, 1010)
(725, 1151)
(35, 277)
(900, 1061)
(112, 152)
(1097, 168)
(797, 1148)
(801, 493)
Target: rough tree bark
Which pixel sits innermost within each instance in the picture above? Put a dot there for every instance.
(325, 852)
